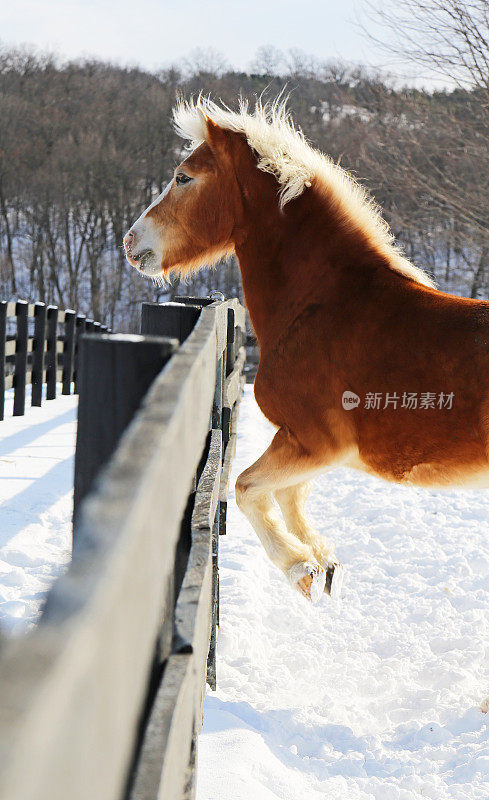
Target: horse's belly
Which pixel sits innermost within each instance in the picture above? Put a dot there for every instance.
(435, 474)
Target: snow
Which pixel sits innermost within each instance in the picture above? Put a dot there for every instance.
(377, 695)
(36, 497)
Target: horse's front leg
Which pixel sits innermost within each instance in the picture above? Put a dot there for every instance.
(284, 464)
(292, 501)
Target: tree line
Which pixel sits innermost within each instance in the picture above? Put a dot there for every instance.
(85, 146)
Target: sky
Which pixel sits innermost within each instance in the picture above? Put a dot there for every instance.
(157, 33)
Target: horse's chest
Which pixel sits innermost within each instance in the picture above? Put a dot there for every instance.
(290, 391)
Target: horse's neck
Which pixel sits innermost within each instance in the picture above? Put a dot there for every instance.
(276, 288)
(261, 283)
(283, 259)
(306, 256)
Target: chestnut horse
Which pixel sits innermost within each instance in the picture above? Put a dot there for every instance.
(363, 362)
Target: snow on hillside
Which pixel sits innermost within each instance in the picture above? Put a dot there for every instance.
(36, 496)
(377, 695)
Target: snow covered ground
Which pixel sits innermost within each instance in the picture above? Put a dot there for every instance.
(36, 495)
(377, 695)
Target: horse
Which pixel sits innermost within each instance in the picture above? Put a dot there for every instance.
(364, 363)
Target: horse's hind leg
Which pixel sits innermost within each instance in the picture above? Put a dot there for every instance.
(292, 501)
(283, 464)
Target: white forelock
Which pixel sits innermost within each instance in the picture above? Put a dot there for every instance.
(283, 151)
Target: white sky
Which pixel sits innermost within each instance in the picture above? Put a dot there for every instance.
(156, 33)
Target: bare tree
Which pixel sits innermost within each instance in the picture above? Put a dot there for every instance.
(205, 61)
(450, 38)
(268, 60)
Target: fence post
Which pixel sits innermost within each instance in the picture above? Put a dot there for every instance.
(3, 336)
(211, 657)
(68, 350)
(217, 422)
(188, 300)
(170, 319)
(38, 353)
(115, 373)
(81, 323)
(217, 404)
(231, 343)
(226, 425)
(21, 311)
(52, 352)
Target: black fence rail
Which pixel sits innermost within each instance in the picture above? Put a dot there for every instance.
(103, 700)
(39, 345)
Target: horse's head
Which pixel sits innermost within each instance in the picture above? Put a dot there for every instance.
(193, 221)
(232, 191)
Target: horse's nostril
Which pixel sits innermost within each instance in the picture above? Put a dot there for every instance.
(128, 239)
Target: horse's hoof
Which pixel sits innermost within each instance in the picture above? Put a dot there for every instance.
(309, 579)
(334, 579)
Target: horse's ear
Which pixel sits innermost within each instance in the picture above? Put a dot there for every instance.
(217, 137)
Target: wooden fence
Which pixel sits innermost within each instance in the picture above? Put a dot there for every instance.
(252, 357)
(39, 345)
(103, 700)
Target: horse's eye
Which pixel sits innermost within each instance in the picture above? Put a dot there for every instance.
(182, 178)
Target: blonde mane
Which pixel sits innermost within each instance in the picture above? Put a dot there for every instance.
(284, 152)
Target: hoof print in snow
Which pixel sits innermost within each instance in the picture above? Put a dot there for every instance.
(334, 579)
(309, 579)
